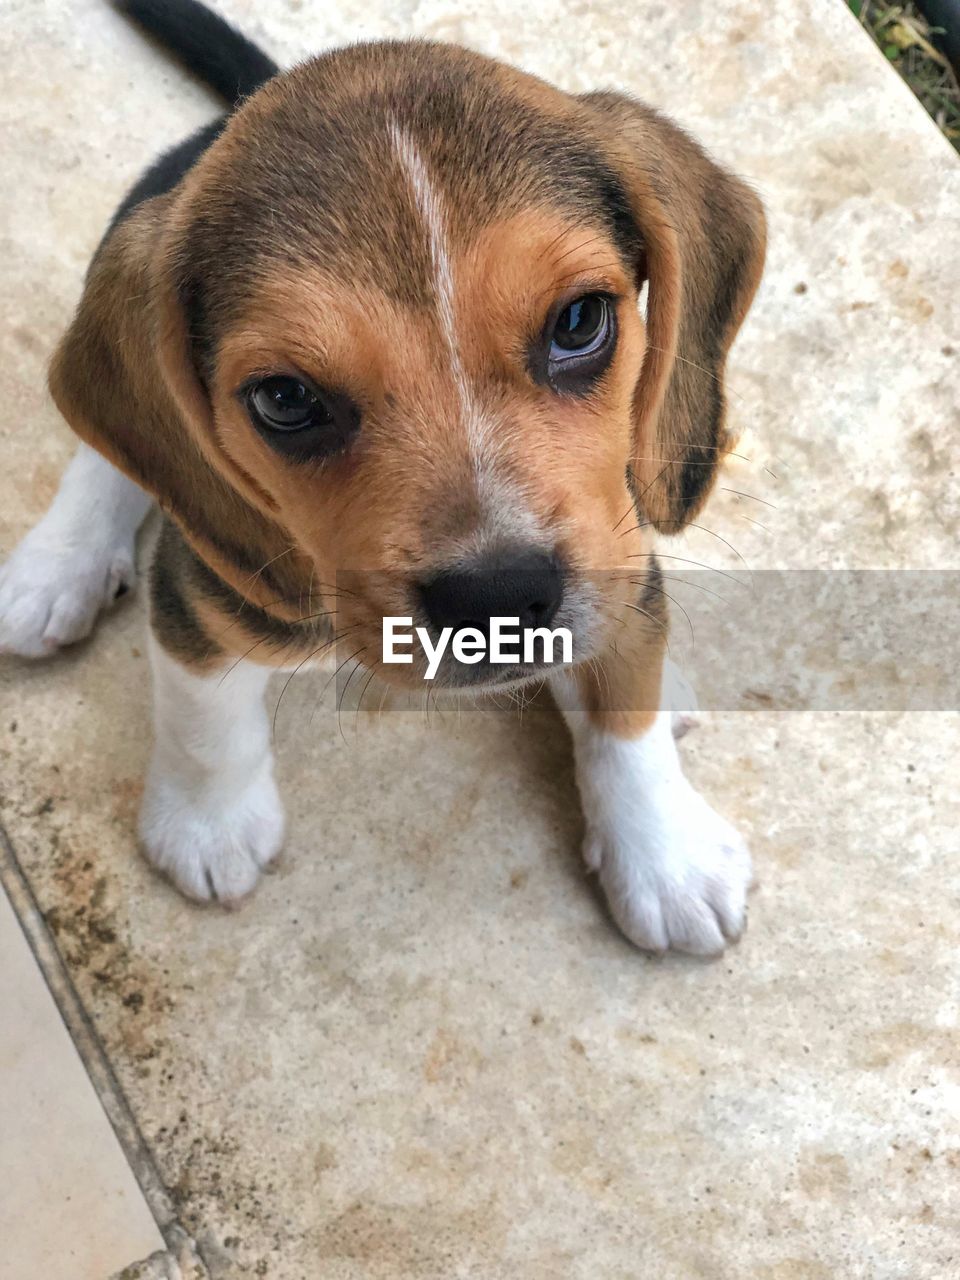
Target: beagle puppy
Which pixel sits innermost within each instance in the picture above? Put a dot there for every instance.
(373, 342)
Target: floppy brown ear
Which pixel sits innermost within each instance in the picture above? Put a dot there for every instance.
(704, 234)
(122, 378)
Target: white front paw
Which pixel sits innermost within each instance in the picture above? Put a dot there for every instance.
(52, 590)
(674, 872)
(211, 843)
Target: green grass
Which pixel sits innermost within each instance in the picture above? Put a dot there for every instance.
(904, 36)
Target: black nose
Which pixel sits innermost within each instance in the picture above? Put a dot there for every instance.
(520, 584)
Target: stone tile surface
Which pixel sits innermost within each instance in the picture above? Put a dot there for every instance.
(70, 1208)
(421, 1050)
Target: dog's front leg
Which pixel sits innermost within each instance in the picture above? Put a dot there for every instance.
(211, 816)
(74, 562)
(674, 872)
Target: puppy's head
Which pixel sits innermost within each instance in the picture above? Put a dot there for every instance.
(394, 309)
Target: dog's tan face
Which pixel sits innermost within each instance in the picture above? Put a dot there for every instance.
(472, 437)
(401, 323)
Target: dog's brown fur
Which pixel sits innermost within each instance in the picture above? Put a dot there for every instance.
(294, 245)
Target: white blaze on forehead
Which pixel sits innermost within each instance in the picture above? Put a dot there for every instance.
(501, 498)
(506, 508)
(430, 208)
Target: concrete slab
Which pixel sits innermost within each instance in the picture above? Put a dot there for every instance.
(422, 1051)
(71, 1208)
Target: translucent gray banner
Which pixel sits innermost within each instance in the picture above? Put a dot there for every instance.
(792, 640)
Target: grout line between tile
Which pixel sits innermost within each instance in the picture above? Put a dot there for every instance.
(14, 881)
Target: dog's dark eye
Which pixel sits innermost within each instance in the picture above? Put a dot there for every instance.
(299, 420)
(576, 345)
(284, 404)
(581, 327)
